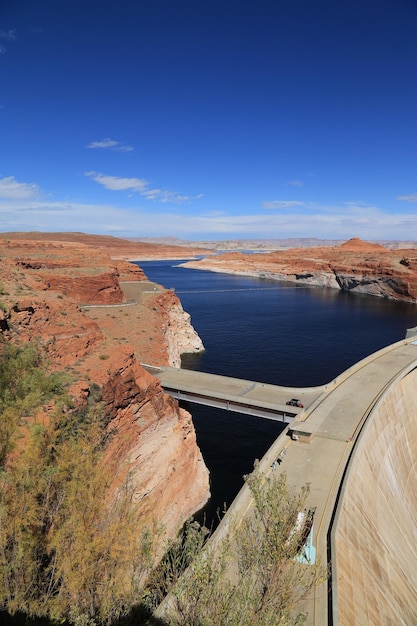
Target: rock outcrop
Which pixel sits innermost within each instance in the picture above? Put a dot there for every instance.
(154, 444)
(180, 336)
(354, 266)
(70, 297)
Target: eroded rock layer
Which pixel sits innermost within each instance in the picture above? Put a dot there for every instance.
(354, 266)
(71, 297)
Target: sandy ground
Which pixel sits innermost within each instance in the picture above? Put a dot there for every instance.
(136, 322)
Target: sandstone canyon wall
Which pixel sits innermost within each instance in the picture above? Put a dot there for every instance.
(354, 266)
(70, 297)
(180, 336)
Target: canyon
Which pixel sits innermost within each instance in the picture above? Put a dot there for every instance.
(101, 320)
(354, 266)
(98, 318)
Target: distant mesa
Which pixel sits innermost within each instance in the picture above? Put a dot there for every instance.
(359, 245)
(356, 266)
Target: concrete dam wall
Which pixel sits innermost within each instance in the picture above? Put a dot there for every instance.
(374, 536)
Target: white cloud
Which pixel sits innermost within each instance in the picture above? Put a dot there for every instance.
(213, 213)
(7, 35)
(295, 183)
(115, 183)
(104, 143)
(23, 208)
(168, 196)
(110, 144)
(12, 189)
(141, 186)
(281, 204)
(324, 222)
(10, 35)
(410, 198)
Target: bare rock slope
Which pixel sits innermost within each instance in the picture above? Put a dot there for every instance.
(70, 296)
(354, 266)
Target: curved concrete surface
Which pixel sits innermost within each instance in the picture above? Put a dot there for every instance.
(358, 434)
(375, 531)
(355, 445)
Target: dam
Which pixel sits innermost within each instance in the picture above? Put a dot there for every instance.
(374, 533)
(361, 464)
(355, 443)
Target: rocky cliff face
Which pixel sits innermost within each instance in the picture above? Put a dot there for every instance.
(70, 296)
(353, 266)
(154, 443)
(180, 336)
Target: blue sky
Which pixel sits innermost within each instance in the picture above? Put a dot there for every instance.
(209, 120)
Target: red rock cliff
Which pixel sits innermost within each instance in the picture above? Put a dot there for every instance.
(71, 297)
(354, 266)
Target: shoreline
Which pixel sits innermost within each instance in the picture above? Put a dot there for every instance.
(378, 284)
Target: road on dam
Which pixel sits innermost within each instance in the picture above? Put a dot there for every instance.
(235, 394)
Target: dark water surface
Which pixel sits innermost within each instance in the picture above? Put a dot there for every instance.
(272, 332)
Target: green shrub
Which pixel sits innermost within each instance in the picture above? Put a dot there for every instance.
(250, 578)
(65, 554)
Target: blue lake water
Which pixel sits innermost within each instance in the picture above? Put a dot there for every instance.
(272, 332)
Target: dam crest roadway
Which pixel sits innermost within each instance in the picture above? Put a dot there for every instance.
(234, 394)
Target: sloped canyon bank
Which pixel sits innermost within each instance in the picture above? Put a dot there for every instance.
(355, 266)
(99, 318)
